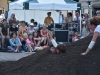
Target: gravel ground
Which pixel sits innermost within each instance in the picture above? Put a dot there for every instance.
(4, 56)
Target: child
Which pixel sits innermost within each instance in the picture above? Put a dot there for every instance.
(14, 42)
(61, 48)
(49, 40)
(30, 43)
(37, 39)
(44, 34)
(75, 37)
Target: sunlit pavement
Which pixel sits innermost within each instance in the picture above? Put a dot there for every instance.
(4, 56)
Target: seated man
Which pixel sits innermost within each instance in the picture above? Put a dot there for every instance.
(56, 48)
(4, 32)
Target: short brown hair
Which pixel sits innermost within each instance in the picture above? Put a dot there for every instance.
(95, 21)
(48, 13)
(61, 48)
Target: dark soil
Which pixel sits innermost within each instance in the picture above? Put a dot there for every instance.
(47, 63)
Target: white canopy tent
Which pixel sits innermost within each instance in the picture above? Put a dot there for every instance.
(45, 4)
(37, 9)
(22, 14)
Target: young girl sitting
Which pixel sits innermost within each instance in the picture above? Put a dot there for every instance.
(37, 39)
(14, 42)
(30, 43)
(49, 40)
(56, 48)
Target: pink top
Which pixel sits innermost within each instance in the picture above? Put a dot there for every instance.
(28, 41)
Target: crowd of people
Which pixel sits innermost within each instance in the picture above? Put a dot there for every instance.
(17, 36)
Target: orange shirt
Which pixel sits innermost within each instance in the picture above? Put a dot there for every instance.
(48, 20)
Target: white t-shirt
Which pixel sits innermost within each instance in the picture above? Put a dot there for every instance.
(54, 43)
(30, 31)
(97, 29)
(60, 18)
(75, 18)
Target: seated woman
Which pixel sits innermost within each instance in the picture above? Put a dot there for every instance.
(15, 43)
(23, 29)
(44, 35)
(23, 33)
(37, 39)
(56, 48)
(30, 42)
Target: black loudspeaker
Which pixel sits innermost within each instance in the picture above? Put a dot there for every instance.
(61, 36)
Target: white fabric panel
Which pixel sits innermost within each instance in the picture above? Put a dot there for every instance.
(65, 7)
(29, 14)
(52, 6)
(43, 6)
(40, 16)
(37, 15)
(52, 1)
(17, 4)
(19, 14)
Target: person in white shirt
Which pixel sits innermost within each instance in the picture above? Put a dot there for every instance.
(77, 17)
(61, 18)
(31, 29)
(56, 48)
(98, 13)
(95, 26)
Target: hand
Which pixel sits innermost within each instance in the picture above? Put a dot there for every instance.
(39, 38)
(8, 36)
(32, 44)
(83, 53)
(18, 45)
(3, 36)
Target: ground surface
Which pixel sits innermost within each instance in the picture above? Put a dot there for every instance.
(5, 56)
(46, 63)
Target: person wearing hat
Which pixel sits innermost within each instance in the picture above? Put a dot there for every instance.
(84, 29)
(48, 20)
(31, 29)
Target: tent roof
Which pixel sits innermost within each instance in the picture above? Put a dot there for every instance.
(51, 1)
(44, 5)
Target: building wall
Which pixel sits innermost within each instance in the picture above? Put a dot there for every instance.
(4, 4)
(87, 9)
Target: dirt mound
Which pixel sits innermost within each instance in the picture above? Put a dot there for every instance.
(47, 63)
